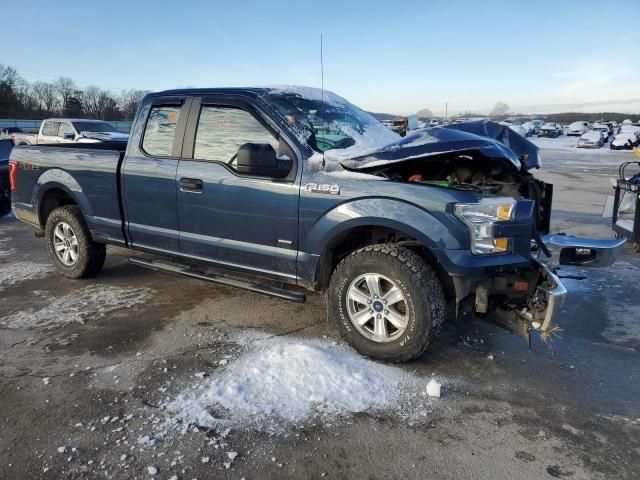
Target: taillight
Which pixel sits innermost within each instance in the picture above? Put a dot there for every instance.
(13, 171)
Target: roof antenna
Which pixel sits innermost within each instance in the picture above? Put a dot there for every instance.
(322, 89)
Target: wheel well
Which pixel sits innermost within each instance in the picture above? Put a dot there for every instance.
(360, 237)
(51, 200)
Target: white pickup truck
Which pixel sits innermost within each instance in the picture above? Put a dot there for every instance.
(69, 130)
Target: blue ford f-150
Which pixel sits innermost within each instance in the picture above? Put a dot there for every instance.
(267, 188)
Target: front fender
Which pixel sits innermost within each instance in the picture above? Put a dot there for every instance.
(434, 230)
(57, 178)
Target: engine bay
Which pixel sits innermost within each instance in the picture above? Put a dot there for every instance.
(474, 172)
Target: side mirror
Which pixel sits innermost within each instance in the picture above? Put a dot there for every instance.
(261, 159)
(68, 136)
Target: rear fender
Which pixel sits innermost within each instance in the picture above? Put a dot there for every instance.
(59, 179)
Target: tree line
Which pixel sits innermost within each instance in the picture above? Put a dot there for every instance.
(21, 99)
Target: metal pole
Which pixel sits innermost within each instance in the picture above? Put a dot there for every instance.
(446, 110)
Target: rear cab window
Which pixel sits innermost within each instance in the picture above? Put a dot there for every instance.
(160, 130)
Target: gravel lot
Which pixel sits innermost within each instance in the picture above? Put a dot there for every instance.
(110, 378)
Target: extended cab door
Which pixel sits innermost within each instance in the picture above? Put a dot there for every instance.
(149, 174)
(49, 132)
(66, 133)
(228, 218)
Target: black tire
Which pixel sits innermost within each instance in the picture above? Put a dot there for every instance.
(424, 302)
(5, 204)
(90, 254)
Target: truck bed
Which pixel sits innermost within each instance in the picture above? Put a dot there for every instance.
(87, 172)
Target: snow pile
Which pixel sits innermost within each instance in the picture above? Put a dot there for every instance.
(433, 388)
(93, 301)
(284, 382)
(20, 271)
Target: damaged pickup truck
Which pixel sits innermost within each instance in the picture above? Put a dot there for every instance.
(273, 189)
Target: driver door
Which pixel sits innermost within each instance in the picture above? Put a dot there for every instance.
(228, 218)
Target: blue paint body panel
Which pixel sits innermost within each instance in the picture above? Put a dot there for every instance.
(273, 227)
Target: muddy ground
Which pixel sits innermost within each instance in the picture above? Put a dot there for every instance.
(87, 367)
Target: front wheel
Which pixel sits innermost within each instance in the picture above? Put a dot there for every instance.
(387, 302)
(70, 246)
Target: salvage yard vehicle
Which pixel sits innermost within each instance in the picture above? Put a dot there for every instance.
(625, 141)
(5, 192)
(604, 129)
(271, 188)
(552, 130)
(577, 128)
(591, 139)
(69, 130)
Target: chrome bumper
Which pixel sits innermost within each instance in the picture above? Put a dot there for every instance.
(547, 300)
(581, 252)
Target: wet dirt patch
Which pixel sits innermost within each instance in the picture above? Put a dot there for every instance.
(94, 301)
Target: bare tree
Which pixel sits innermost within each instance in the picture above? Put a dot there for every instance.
(98, 103)
(129, 101)
(425, 113)
(500, 109)
(46, 96)
(65, 88)
(9, 76)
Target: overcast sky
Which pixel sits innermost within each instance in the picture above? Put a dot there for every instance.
(387, 56)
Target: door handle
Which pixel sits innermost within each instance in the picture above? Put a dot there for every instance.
(191, 184)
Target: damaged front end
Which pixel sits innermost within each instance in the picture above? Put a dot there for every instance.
(494, 163)
(530, 299)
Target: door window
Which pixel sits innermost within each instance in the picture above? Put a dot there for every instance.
(50, 129)
(222, 130)
(161, 130)
(64, 129)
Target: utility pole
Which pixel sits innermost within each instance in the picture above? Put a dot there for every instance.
(446, 110)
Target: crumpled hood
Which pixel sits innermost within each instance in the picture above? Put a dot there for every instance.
(490, 139)
(107, 136)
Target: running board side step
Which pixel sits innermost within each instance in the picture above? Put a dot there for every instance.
(221, 279)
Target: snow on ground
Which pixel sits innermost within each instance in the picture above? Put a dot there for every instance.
(90, 302)
(290, 382)
(13, 273)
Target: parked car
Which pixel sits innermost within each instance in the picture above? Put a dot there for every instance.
(5, 190)
(629, 128)
(625, 141)
(440, 218)
(591, 139)
(530, 129)
(578, 128)
(435, 122)
(604, 129)
(552, 130)
(519, 129)
(69, 130)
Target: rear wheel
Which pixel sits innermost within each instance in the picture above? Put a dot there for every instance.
(387, 302)
(71, 248)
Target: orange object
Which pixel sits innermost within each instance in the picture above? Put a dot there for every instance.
(521, 286)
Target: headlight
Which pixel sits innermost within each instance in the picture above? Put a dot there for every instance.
(480, 218)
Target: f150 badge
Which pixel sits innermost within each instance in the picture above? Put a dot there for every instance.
(323, 188)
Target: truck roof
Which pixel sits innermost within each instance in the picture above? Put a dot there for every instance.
(61, 119)
(207, 91)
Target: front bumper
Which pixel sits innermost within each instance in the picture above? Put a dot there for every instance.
(550, 295)
(529, 299)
